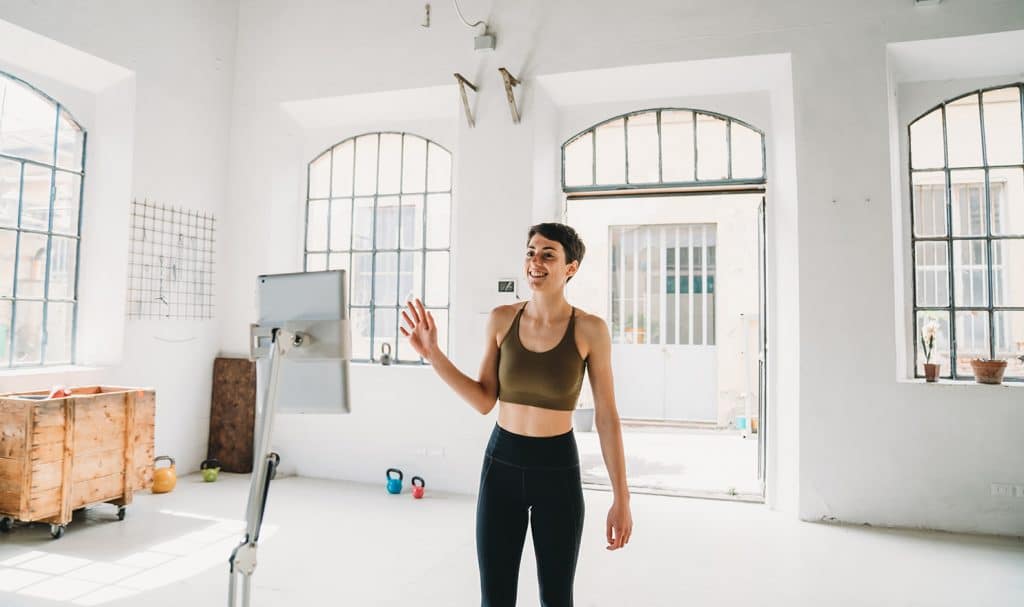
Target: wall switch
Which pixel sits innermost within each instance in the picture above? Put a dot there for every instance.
(1002, 490)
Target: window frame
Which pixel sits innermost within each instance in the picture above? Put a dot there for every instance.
(660, 184)
(950, 311)
(373, 251)
(60, 110)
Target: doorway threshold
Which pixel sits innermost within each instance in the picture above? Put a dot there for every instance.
(752, 498)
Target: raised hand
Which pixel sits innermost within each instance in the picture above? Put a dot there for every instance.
(421, 331)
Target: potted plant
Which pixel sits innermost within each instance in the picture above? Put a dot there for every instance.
(929, 333)
(988, 370)
(583, 417)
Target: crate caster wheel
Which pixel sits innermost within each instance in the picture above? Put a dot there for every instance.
(57, 531)
(120, 513)
(6, 524)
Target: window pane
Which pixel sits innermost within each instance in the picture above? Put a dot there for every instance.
(359, 321)
(439, 177)
(316, 229)
(28, 320)
(5, 333)
(10, 188)
(384, 330)
(1007, 198)
(387, 222)
(8, 242)
(362, 224)
(940, 349)
(366, 164)
(746, 153)
(343, 167)
(69, 143)
(968, 203)
(341, 224)
(932, 279)
(611, 153)
(35, 198)
(1009, 337)
(926, 147)
(411, 280)
(1008, 272)
(1002, 126)
(439, 220)
(362, 274)
(27, 122)
(390, 163)
(971, 340)
(62, 267)
(412, 221)
(320, 177)
(712, 153)
(338, 261)
(316, 262)
(58, 332)
(963, 132)
(437, 279)
(970, 267)
(579, 161)
(643, 147)
(31, 265)
(414, 164)
(66, 203)
(385, 290)
(929, 203)
(677, 146)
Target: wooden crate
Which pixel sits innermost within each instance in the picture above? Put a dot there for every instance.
(59, 455)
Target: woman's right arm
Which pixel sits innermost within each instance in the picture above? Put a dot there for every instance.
(481, 393)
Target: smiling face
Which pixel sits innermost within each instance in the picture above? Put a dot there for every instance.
(545, 266)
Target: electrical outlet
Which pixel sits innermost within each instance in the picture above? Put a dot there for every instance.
(1002, 490)
(1020, 490)
(435, 451)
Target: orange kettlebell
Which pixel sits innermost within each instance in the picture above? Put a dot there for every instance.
(164, 479)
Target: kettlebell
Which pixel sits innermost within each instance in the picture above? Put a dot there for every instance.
(417, 490)
(385, 353)
(164, 479)
(394, 484)
(209, 469)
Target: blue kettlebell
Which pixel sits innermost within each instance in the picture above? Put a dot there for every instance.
(394, 484)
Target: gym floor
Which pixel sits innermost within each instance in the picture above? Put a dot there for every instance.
(338, 543)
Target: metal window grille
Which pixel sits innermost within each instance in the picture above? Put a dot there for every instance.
(42, 171)
(966, 164)
(379, 206)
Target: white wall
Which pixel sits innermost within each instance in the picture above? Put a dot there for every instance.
(159, 77)
(864, 446)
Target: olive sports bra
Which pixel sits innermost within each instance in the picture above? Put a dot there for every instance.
(550, 380)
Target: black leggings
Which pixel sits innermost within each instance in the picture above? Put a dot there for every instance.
(536, 478)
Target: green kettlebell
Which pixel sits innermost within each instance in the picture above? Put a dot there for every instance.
(209, 469)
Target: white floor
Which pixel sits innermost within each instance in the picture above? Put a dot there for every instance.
(674, 459)
(334, 543)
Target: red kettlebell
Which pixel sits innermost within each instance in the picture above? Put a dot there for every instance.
(417, 490)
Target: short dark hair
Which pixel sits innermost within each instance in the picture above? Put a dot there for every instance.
(564, 235)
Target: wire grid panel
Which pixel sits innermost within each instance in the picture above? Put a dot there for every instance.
(170, 263)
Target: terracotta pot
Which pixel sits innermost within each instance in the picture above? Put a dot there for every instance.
(931, 372)
(988, 371)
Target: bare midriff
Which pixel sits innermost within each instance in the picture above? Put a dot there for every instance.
(533, 421)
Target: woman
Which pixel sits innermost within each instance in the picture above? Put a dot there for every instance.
(533, 366)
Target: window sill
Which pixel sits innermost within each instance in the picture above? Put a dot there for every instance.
(960, 382)
(55, 370)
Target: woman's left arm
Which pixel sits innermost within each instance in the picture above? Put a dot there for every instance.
(619, 526)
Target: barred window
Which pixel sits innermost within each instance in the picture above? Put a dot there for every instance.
(379, 206)
(967, 234)
(42, 152)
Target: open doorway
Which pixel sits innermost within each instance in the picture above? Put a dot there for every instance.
(680, 280)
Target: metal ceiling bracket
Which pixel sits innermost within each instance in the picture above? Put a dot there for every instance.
(463, 83)
(510, 81)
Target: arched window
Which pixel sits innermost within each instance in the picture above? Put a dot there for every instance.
(42, 152)
(663, 148)
(379, 206)
(967, 230)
